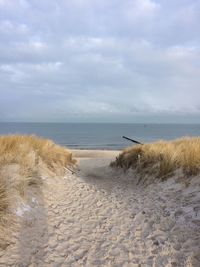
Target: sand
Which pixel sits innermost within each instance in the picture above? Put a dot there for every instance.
(101, 217)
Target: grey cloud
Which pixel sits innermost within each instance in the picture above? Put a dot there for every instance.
(99, 60)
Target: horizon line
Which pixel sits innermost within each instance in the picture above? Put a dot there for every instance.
(64, 122)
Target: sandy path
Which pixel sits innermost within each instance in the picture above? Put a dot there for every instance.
(100, 218)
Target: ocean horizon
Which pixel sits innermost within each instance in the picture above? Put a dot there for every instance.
(101, 135)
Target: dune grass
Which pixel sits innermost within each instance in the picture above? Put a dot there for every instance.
(162, 158)
(4, 199)
(23, 149)
(21, 159)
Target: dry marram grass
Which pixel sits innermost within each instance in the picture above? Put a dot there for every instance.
(21, 160)
(4, 200)
(162, 158)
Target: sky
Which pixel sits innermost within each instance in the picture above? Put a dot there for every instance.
(100, 61)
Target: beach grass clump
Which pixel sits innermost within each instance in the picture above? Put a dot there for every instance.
(22, 160)
(28, 150)
(162, 158)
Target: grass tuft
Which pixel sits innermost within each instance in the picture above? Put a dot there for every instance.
(162, 158)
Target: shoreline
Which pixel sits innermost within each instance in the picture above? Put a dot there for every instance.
(90, 153)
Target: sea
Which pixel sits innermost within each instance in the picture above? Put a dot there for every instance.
(106, 136)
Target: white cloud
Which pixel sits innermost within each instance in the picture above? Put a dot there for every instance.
(146, 7)
(8, 27)
(181, 51)
(48, 67)
(37, 45)
(141, 11)
(14, 3)
(4, 3)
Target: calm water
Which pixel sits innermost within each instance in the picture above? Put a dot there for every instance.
(101, 136)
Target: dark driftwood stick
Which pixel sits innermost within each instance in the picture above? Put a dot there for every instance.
(134, 141)
(72, 171)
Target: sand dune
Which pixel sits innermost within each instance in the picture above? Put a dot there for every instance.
(100, 217)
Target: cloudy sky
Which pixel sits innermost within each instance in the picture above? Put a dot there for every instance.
(100, 60)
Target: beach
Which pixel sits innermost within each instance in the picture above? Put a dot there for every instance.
(95, 215)
(99, 133)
